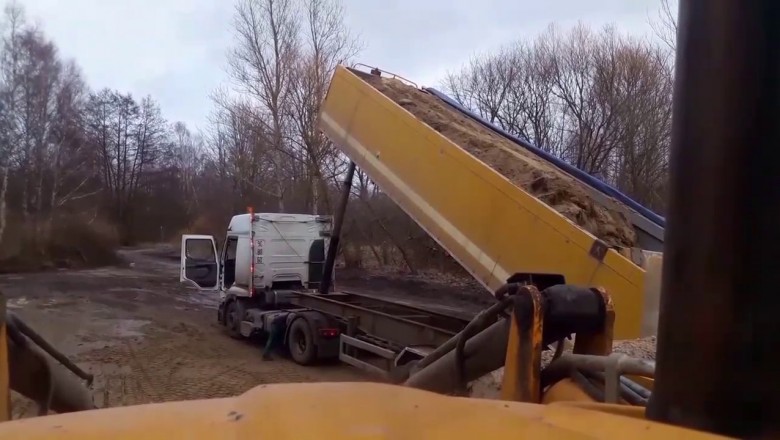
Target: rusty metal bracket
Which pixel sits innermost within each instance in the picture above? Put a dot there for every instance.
(522, 366)
(599, 342)
(598, 250)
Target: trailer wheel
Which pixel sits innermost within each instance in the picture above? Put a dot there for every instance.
(301, 343)
(232, 321)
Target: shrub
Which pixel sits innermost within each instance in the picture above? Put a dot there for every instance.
(68, 242)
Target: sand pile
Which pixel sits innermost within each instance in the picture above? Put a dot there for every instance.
(546, 182)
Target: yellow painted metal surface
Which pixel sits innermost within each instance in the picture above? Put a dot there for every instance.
(344, 412)
(522, 364)
(565, 390)
(636, 412)
(492, 227)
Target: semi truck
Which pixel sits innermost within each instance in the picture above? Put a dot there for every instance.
(264, 260)
(271, 264)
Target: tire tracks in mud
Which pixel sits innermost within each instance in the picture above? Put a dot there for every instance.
(186, 363)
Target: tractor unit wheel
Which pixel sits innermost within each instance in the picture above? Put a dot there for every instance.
(300, 342)
(233, 319)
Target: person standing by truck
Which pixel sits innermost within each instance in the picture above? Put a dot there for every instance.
(276, 332)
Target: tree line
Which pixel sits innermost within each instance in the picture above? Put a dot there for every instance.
(77, 165)
(597, 99)
(72, 158)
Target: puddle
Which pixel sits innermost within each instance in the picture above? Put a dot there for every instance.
(22, 302)
(127, 328)
(129, 289)
(195, 297)
(108, 334)
(89, 346)
(52, 303)
(17, 303)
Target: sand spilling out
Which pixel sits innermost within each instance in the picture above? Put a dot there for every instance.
(529, 172)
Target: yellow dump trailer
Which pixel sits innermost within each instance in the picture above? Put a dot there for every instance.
(491, 226)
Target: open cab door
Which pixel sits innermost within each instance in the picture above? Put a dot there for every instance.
(199, 262)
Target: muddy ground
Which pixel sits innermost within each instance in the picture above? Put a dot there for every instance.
(147, 338)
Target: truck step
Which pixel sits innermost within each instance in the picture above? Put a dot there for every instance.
(349, 348)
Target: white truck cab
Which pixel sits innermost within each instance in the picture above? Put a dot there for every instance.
(265, 260)
(261, 253)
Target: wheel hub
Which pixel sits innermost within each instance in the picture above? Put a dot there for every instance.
(301, 343)
(231, 316)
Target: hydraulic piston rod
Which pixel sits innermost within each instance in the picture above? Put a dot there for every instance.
(333, 247)
(484, 353)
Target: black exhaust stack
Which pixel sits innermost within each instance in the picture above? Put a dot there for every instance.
(719, 330)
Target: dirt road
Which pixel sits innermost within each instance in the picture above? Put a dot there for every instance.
(146, 337)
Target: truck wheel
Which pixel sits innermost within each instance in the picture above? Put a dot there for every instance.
(232, 320)
(301, 343)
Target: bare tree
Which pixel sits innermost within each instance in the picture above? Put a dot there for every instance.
(665, 25)
(42, 98)
(71, 174)
(641, 161)
(75, 157)
(243, 145)
(599, 100)
(125, 137)
(263, 64)
(186, 159)
(325, 42)
(285, 53)
(14, 21)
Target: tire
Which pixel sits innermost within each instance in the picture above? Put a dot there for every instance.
(232, 321)
(300, 342)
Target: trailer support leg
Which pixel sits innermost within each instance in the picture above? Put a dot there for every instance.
(330, 259)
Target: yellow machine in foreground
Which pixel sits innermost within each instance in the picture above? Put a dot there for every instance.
(718, 338)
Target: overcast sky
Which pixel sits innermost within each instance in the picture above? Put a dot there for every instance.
(175, 50)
